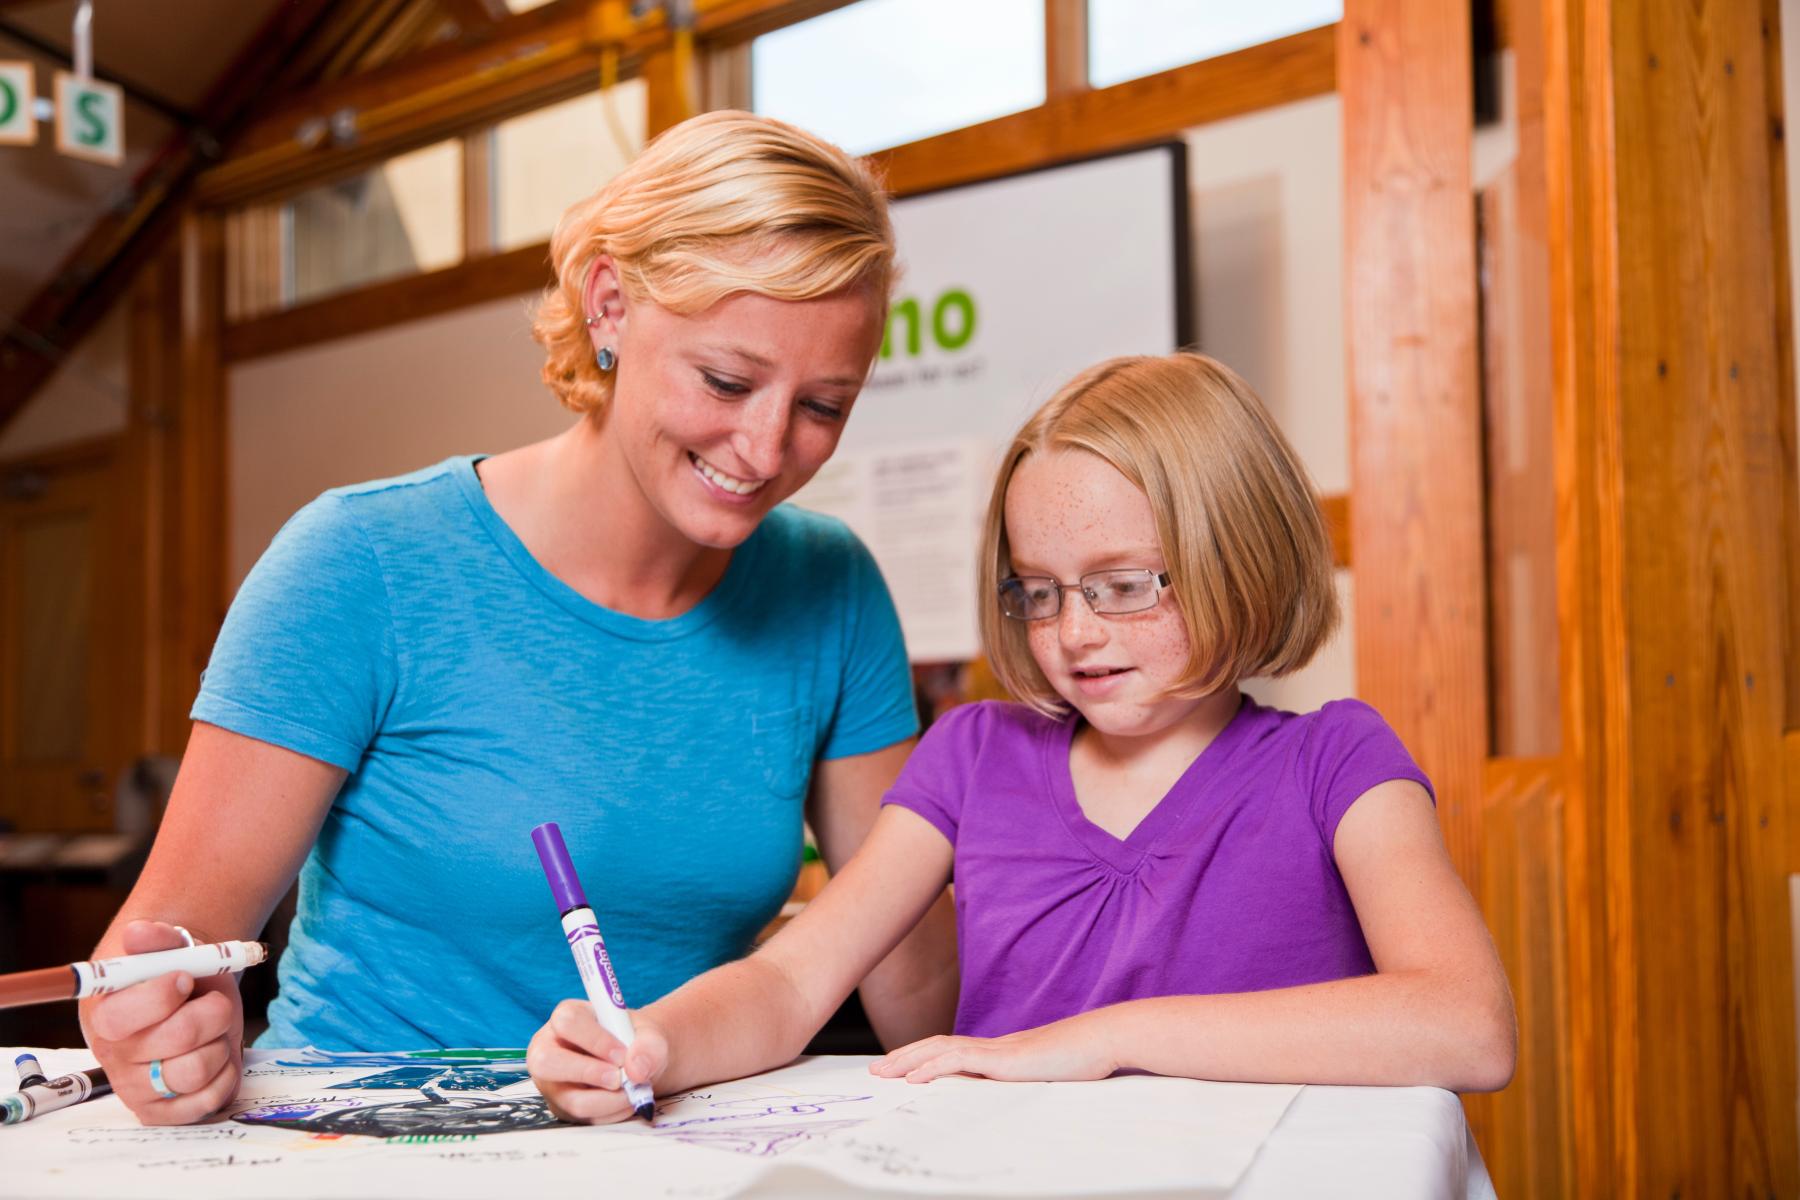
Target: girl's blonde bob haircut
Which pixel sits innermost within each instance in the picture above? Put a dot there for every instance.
(1242, 537)
(721, 203)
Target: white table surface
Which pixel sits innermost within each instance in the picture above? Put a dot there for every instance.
(1391, 1143)
(1387, 1143)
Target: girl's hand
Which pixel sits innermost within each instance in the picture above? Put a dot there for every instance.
(1068, 1049)
(579, 1067)
(193, 1028)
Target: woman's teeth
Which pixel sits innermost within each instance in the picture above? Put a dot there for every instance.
(740, 487)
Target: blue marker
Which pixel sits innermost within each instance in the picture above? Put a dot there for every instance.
(591, 961)
(31, 1071)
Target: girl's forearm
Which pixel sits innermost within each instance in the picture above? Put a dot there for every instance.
(912, 993)
(1394, 1028)
(733, 1021)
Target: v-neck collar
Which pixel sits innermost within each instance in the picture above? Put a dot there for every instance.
(1126, 855)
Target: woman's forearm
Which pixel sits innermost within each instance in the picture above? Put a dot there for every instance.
(1396, 1028)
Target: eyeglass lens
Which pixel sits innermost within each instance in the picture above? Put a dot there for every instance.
(1034, 597)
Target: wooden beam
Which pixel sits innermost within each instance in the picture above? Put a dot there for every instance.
(1779, 185)
(1404, 79)
(1076, 125)
(474, 16)
(1672, 472)
(1415, 431)
(1590, 589)
(478, 194)
(1065, 47)
(1525, 899)
(532, 59)
(1127, 114)
(1337, 527)
(91, 278)
(474, 281)
(726, 22)
(175, 466)
(437, 93)
(670, 83)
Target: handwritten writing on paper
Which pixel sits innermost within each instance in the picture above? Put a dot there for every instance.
(308, 1124)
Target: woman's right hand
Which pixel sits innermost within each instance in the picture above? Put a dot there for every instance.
(578, 1066)
(194, 1027)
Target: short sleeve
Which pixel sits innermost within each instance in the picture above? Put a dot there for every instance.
(875, 705)
(305, 659)
(1352, 749)
(936, 777)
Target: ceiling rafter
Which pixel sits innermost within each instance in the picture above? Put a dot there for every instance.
(314, 57)
(91, 277)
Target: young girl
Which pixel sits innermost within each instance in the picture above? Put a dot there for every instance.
(1153, 872)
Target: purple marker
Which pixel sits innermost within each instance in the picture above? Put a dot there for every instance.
(591, 961)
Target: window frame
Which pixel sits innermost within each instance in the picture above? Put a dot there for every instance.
(548, 55)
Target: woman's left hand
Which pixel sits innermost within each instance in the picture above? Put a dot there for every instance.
(1068, 1049)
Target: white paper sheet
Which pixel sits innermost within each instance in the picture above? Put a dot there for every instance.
(822, 1126)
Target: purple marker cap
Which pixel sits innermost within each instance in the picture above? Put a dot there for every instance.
(564, 884)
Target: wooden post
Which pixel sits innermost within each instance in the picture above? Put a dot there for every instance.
(1415, 443)
(175, 464)
(1673, 494)
(1065, 48)
(1404, 79)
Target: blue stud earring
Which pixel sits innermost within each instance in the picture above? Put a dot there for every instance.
(605, 359)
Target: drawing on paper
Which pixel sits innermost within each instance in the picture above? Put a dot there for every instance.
(762, 1141)
(762, 1125)
(436, 1078)
(430, 1115)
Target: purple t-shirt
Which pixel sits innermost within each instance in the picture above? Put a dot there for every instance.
(1227, 885)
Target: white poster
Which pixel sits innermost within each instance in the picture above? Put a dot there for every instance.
(919, 510)
(1009, 288)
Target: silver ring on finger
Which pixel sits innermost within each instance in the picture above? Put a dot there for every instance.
(158, 1083)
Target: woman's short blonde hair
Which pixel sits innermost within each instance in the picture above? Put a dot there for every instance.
(1242, 536)
(724, 202)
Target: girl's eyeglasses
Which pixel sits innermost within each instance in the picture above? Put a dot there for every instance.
(1108, 593)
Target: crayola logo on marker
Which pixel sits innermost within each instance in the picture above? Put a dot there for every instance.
(602, 961)
(606, 973)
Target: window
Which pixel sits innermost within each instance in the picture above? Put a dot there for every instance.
(881, 73)
(402, 218)
(1131, 38)
(546, 160)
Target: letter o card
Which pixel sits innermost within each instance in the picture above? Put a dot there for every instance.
(18, 99)
(90, 119)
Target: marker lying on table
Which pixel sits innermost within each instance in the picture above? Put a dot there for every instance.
(103, 975)
(591, 961)
(53, 1094)
(30, 1070)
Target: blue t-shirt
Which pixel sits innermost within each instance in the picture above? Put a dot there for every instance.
(400, 630)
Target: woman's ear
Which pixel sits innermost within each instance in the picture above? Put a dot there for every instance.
(603, 301)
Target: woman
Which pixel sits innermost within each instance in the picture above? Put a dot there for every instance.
(614, 629)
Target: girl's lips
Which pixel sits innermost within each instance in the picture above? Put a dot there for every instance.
(1101, 685)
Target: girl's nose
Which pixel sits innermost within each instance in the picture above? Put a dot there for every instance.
(1076, 624)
